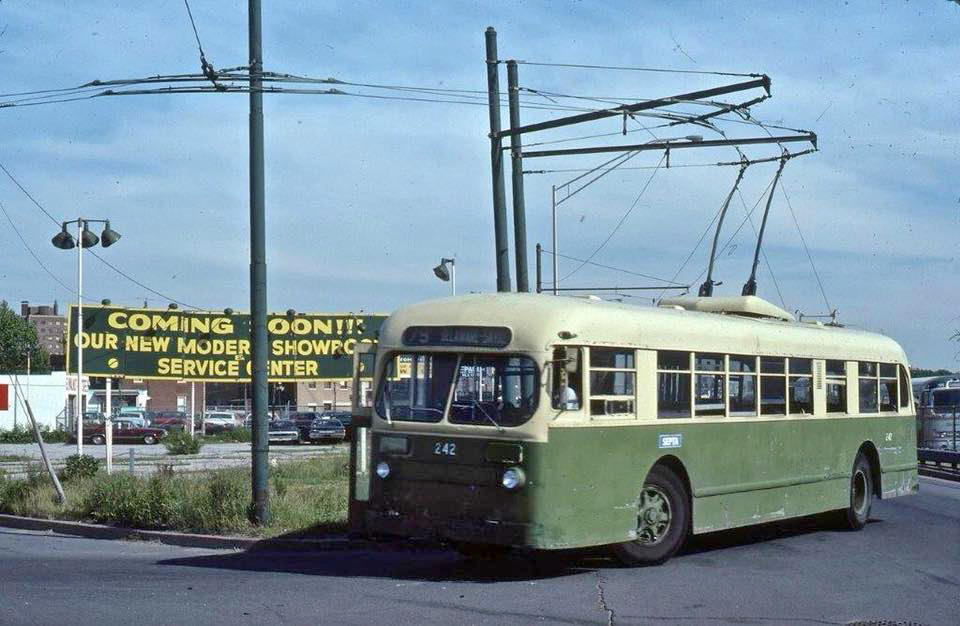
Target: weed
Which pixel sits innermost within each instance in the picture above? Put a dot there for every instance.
(182, 443)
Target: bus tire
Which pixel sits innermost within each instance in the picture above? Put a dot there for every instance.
(861, 494)
(663, 520)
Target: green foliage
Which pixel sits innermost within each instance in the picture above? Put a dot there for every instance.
(22, 434)
(125, 500)
(79, 467)
(231, 435)
(919, 372)
(180, 442)
(17, 337)
(308, 496)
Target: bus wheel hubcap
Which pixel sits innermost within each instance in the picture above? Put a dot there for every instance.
(859, 492)
(653, 520)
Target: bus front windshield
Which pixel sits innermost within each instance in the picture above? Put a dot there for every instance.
(946, 398)
(489, 390)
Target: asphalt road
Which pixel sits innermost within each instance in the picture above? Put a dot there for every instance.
(903, 567)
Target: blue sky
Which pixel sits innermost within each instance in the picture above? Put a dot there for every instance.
(365, 196)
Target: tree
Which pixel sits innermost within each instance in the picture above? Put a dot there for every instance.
(17, 338)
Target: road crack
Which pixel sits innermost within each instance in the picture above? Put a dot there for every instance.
(602, 601)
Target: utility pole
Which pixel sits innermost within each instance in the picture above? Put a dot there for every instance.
(516, 161)
(258, 275)
(496, 163)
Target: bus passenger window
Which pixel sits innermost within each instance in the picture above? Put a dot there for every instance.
(743, 385)
(773, 386)
(612, 381)
(566, 386)
(888, 387)
(673, 384)
(869, 388)
(709, 387)
(836, 386)
(801, 386)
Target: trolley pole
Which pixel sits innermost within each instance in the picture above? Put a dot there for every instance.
(516, 162)
(496, 162)
(258, 275)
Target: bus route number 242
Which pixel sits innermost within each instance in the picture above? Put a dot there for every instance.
(445, 448)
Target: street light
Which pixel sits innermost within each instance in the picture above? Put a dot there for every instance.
(87, 239)
(446, 275)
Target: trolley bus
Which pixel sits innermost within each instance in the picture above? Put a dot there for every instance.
(546, 422)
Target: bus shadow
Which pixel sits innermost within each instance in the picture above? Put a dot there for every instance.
(399, 560)
(427, 562)
(749, 535)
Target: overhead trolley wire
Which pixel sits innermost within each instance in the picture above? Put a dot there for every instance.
(611, 267)
(618, 225)
(664, 70)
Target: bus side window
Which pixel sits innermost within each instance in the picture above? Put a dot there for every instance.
(567, 386)
(904, 388)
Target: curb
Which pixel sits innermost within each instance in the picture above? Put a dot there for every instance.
(188, 540)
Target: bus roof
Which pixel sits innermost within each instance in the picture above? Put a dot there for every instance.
(537, 320)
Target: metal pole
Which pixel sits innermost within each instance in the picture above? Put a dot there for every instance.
(193, 406)
(39, 437)
(453, 277)
(553, 214)
(539, 267)
(79, 336)
(258, 275)
(750, 287)
(108, 425)
(496, 162)
(519, 208)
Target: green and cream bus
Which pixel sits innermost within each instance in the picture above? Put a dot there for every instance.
(553, 422)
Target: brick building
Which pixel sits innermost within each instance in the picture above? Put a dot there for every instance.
(51, 330)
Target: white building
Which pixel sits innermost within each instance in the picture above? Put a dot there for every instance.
(47, 394)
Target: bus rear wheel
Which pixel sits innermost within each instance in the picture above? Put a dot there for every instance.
(861, 494)
(663, 520)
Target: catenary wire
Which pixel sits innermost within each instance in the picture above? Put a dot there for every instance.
(816, 274)
(609, 267)
(93, 252)
(34, 254)
(618, 225)
(633, 69)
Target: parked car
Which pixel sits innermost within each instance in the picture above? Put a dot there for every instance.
(123, 432)
(345, 417)
(131, 420)
(283, 431)
(170, 420)
(304, 421)
(327, 429)
(219, 421)
(92, 416)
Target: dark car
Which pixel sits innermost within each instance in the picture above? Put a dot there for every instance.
(345, 418)
(170, 420)
(283, 431)
(304, 420)
(327, 429)
(124, 433)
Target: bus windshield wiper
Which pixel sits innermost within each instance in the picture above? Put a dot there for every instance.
(487, 415)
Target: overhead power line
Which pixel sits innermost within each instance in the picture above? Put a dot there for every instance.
(93, 252)
(34, 254)
(634, 69)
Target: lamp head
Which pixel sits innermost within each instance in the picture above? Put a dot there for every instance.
(109, 236)
(63, 239)
(87, 238)
(441, 272)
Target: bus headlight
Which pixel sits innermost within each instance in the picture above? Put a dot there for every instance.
(383, 470)
(513, 479)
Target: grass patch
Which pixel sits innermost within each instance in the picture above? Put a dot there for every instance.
(13, 458)
(231, 435)
(309, 494)
(22, 434)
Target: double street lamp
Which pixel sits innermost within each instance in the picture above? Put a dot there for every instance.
(86, 238)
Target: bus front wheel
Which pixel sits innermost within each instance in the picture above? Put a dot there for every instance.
(663, 520)
(861, 494)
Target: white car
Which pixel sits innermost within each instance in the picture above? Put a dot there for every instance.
(219, 421)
